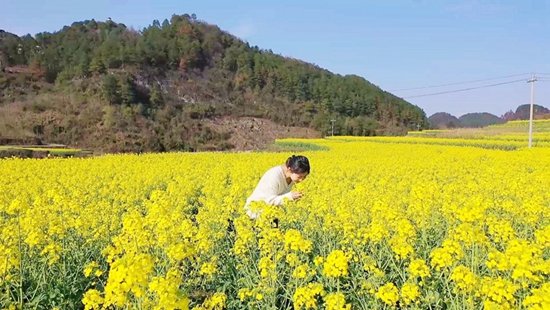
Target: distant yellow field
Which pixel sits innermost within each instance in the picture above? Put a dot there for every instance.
(511, 135)
(421, 226)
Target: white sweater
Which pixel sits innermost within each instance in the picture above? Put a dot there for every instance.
(272, 189)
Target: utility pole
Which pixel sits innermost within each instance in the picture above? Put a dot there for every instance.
(532, 81)
(332, 126)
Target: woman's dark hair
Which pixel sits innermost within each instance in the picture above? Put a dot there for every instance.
(298, 164)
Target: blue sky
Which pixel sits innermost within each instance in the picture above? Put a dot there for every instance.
(393, 44)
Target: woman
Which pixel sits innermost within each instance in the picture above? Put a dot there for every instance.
(276, 183)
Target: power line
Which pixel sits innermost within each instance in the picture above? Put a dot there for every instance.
(458, 83)
(464, 89)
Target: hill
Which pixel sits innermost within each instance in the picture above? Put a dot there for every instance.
(104, 85)
(479, 119)
(443, 120)
(523, 111)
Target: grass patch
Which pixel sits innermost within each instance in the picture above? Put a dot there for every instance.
(291, 146)
(7, 151)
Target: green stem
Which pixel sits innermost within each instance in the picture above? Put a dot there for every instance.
(394, 263)
(20, 262)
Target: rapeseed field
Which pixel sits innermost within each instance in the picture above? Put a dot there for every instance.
(381, 226)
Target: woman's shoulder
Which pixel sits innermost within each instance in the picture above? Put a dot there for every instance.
(275, 171)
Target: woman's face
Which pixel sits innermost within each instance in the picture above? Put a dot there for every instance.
(297, 177)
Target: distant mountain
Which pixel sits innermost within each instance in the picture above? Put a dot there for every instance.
(479, 119)
(524, 110)
(443, 120)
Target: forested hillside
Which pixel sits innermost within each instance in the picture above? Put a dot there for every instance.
(481, 119)
(443, 120)
(105, 85)
(523, 112)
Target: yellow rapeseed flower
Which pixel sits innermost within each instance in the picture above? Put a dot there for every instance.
(336, 264)
(388, 293)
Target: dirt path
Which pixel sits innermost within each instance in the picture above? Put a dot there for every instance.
(250, 133)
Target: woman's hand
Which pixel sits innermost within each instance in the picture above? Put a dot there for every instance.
(297, 195)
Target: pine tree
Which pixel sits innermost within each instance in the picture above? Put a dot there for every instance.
(3, 61)
(127, 91)
(111, 91)
(83, 67)
(97, 66)
(156, 96)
